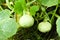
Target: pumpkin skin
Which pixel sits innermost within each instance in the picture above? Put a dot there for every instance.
(26, 21)
(44, 27)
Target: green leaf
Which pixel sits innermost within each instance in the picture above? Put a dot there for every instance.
(23, 3)
(33, 10)
(2, 1)
(49, 3)
(59, 1)
(8, 28)
(58, 30)
(19, 6)
(4, 14)
(58, 22)
(58, 26)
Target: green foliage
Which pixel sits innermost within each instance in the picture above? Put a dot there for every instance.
(59, 1)
(39, 10)
(19, 6)
(49, 3)
(34, 9)
(8, 26)
(8, 4)
(4, 14)
(58, 26)
(2, 1)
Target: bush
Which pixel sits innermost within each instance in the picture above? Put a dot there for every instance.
(33, 26)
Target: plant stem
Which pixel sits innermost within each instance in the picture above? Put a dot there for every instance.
(8, 4)
(30, 2)
(24, 12)
(41, 14)
(57, 16)
(47, 17)
(1, 8)
(52, 18)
